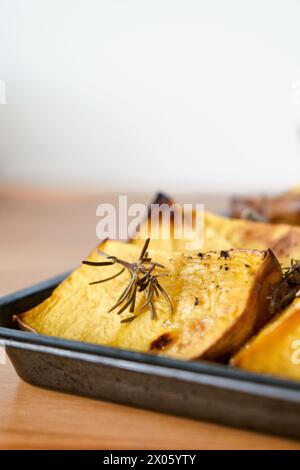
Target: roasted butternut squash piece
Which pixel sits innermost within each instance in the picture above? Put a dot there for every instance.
(209, 239)
(276, 349)
(282, 208)
(219, 300)
(223, 233)
(282, 239)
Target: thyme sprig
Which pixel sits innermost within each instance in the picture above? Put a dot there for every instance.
(143, 278)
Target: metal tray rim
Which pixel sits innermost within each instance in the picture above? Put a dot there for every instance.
(9, 335)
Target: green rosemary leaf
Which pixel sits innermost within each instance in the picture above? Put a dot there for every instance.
(128, 319)
(123, 296)
(126, 304)
(148, 299)
(132, 305)
(152, 310)
(107, 278)
(96, 263)
(166, 297)
(143, 279)
(144, 249)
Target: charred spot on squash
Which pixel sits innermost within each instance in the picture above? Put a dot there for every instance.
(161, 342)
(162, 198)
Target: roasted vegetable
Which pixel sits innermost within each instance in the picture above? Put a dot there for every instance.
(276, 349)
(206, 236)
(282, 239)
(223, 233)
(219, 299)
(284, 208)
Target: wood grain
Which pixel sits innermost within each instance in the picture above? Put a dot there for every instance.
(44, 233)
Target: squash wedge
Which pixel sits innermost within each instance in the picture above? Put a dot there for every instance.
(219, 300)
(282, 208)
(223, 233)
(282, 239)
(276, 349)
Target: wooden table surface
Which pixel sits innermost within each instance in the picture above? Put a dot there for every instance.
(42, 234)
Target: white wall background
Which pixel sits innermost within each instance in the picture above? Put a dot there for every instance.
(136, 94)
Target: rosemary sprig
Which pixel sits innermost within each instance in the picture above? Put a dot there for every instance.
(285, 292)
(142, 279)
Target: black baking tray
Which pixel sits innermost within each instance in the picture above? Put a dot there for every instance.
(195, 389)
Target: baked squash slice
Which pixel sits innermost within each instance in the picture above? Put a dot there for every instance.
(223, 233)
(282, 239)
(218, 300)
(276, 349)
(282, 208)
